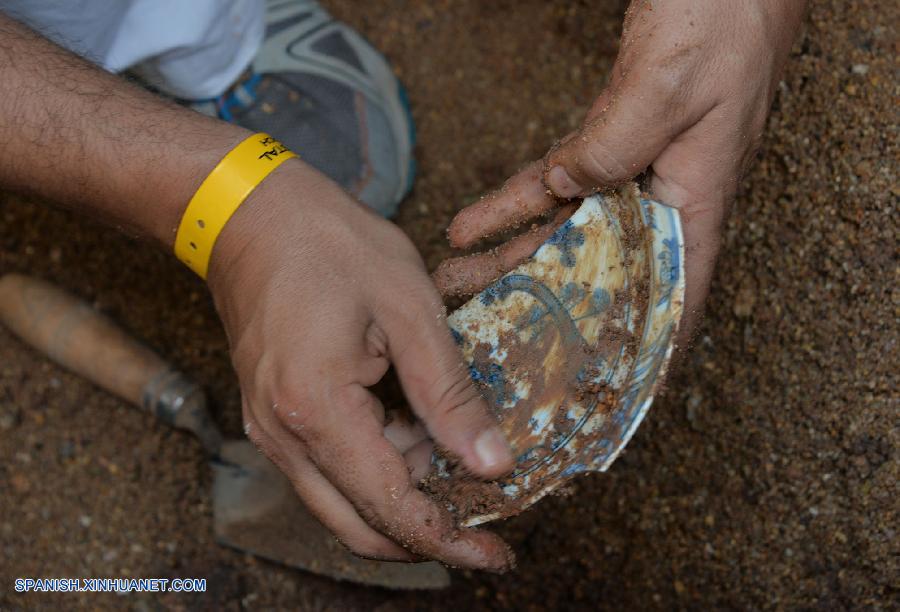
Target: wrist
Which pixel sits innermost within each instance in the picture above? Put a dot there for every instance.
(221, 193)
(192, 154)
(278, 210)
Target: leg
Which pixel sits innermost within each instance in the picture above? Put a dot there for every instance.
(285, 67)
(317, 85)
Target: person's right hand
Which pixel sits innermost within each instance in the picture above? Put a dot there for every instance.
(318, 296)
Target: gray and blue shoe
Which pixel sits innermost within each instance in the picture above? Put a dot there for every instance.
(327, 94)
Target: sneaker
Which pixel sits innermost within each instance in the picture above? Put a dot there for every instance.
(329, 96)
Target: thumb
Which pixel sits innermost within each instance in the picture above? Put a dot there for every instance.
(623, 134)
(698, 174)
(437, 384)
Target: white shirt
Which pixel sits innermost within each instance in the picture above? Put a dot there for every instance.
(191, 49)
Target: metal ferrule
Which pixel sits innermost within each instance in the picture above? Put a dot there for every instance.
(167, 393)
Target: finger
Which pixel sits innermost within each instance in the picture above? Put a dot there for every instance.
(349, 448)
(341, 518)
(418, 460)
(437, 383)
(624, 133)
(522, 197)
(319, 496)
(461, 276)
(405, 435)
(698, 174)
(412, 441)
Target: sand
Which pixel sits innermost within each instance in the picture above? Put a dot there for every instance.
(765, 478)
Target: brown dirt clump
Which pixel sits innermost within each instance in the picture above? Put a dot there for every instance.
(463, 493)
(766, 478)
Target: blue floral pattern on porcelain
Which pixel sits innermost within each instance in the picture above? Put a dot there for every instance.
(569, 347)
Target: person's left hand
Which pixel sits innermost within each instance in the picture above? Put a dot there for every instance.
(688, 99)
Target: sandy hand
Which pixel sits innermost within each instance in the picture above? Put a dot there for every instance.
(688, 99)
(318, 297)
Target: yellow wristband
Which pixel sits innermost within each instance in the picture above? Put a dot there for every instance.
(220, 194)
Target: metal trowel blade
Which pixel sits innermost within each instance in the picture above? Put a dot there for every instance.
(257, 511)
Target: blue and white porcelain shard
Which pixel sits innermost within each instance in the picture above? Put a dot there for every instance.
(570, 347)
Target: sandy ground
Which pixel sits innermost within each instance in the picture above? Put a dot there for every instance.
(765, 478)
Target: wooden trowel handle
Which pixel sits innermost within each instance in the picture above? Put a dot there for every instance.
(84, 341)
(77, 337)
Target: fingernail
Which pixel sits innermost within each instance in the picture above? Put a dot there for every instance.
(561, 183)
(492, 449)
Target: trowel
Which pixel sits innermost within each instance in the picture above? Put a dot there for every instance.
(255, 510)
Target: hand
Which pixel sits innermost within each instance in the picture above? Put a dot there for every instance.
(318, 296)
(688, 99)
